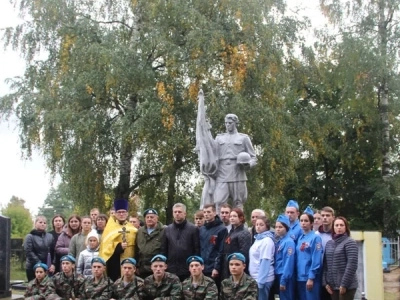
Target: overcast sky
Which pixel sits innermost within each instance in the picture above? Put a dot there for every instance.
(24, 179)
(29, 179)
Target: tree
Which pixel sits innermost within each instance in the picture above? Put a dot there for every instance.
(370, 29)
(57, 202)
(338, 131)
(21, 218)
(112, 106)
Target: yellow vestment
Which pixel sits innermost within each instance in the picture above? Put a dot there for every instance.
(112, 236)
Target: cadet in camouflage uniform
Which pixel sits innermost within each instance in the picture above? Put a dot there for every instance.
(99, 286)
(161, 285)
(198, 286)
(129, 287)
(239, 285)
(66, 282)
(40, 288)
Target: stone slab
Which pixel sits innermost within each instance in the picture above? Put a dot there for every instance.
(14, 297)
(5, 255)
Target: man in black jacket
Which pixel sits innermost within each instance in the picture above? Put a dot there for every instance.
(180, 240)
(212, 236)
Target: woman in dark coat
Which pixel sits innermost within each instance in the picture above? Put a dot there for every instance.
(340, 262)
(237, 240)
(38, 248)
(57, 222)
(72, 227)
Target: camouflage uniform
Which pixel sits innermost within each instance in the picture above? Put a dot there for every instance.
(41, 291)
(68, 287)
(207, 289)
(92, 290)
(170, 288)
(132, 291)
(245, 290)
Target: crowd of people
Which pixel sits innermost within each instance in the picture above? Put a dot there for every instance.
(216, 257)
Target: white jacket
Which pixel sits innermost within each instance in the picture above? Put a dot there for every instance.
(84, 265)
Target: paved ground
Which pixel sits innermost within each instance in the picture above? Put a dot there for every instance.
(391, 283)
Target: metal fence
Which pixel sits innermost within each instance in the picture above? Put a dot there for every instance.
(17, 254)
(390, 252)
(17, 259)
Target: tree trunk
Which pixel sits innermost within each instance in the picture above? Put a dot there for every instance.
(123, 188)
(383, 96)
(171, 194)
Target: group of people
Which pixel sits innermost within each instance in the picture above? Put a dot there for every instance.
(222, 258)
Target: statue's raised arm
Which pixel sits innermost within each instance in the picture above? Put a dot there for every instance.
(223, 161)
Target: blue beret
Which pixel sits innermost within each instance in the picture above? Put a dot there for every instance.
(293, 203)
(194, 258)
(284, 220)
(150, 211)
(121, 204)
(41, 265)
(159, 257)
(98, 260)
(69, 258)
(129, 260)
(309, 211)
(237, 256)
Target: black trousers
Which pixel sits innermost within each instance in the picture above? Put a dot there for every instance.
(30, 274)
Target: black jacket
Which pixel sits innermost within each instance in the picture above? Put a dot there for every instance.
(237, 240)
(212, 236)
(179, 242)
(37, 245)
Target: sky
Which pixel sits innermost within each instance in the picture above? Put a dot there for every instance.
(28, 179)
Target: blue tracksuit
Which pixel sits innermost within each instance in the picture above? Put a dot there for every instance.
(295, 230)
(284, 267)
(308, 266)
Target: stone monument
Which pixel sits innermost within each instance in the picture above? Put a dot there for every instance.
(5, 256)
(223, 161)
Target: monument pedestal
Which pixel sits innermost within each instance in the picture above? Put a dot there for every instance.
(5, 256)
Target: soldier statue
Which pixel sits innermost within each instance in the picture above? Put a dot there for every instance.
(223, 161)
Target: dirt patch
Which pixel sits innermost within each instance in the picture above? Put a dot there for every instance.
(391, 281)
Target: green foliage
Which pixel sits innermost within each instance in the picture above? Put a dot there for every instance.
(21, 218)
(116, 93)
(58, 201)
(366, 56)
(111, 102)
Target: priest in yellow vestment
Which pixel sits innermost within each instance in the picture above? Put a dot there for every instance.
(118, 239)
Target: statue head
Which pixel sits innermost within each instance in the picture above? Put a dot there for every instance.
(232, 117)
(231, 122)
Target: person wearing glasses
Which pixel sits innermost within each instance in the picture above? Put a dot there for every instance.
(118, 239)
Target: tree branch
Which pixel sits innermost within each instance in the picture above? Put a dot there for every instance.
(144, 178)
(158, 67)
(109, 22)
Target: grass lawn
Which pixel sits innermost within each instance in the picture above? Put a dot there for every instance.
(17, 273)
